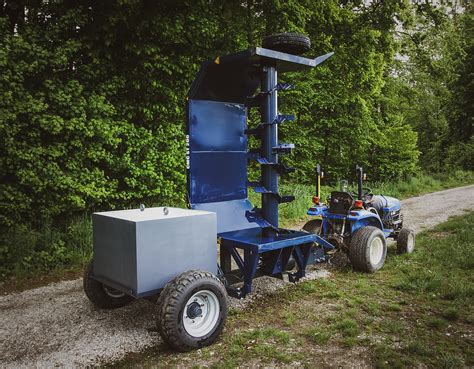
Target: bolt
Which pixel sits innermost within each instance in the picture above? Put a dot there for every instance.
(202, 305)
(195, 300)
(193, 321)
(186, 317)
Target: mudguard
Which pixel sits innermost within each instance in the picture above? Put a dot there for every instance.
(364, 218)
(317, 210)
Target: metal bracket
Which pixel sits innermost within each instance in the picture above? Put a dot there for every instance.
(280, 168)
(255, 101)
(253, 154)
(284, 199)
(279, 87)
(280, 118)
(283, 148)
(254, 216)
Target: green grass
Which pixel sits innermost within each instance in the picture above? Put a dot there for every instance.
(421, 184)
(416, 312)
(25, 252)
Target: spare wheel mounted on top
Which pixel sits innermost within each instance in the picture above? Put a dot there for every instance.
(192, 310)
(288, 42)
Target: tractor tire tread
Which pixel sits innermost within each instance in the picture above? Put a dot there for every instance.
(288, 42)
(313, 226)
(402, 240)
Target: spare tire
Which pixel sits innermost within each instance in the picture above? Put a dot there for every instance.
(291, 43)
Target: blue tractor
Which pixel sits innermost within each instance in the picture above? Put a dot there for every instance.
(359, 224)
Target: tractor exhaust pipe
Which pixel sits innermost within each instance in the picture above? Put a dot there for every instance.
(360, 177)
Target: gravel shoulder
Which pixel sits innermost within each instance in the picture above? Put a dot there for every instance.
(55, 325)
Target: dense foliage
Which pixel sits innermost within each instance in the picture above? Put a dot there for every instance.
(92, 96)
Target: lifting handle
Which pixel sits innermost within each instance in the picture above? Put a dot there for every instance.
(319, 175)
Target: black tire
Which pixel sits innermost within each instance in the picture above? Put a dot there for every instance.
(313, 226)
(173, 302)
(406, 241)
(102, 296)
(291, 43)
(362, 243)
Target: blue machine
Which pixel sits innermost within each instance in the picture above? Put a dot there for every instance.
(219, 100)
(169, 255)
(359, 224)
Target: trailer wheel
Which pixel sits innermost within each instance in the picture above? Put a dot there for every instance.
(368, 249)
(291, 43)
(313, 226)
(101, 295)
(192, 310)
(406, 241)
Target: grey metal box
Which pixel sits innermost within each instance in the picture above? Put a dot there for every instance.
(138, 252)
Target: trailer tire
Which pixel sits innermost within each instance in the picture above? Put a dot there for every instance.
(192, 310)
(313, 226)
(406, 241)
(100, 295)
(368, 249)
(291, 43)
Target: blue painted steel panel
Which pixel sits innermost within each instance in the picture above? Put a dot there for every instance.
(217, 176)
(217, 156)
(230, 214)
(259, 241)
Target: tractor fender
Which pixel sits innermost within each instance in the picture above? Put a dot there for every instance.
(364, 218)
(317, 210)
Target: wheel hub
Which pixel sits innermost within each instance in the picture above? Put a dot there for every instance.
(201, 313)
(194, 310)
(376, 251)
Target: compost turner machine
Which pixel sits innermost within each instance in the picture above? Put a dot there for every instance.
(172, 252)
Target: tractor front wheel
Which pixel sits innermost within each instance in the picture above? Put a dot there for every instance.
(192, 310)
(406, 241)
(368, 249)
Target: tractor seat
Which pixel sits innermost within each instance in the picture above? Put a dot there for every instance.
(340, 202)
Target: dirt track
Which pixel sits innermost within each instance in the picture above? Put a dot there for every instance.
(56, 325)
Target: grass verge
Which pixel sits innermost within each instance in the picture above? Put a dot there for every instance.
(417, 311)
(50, 250)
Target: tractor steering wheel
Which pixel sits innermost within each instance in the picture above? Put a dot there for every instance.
(365, 192)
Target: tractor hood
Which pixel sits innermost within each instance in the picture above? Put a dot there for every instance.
(387, 203)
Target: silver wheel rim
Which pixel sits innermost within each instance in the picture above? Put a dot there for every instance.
(112, 292)
(207, 313)
(376, 251)
(410, 243)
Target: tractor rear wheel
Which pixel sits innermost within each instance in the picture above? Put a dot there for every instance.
(291, 43)
(313, 226)
(192, 310)
(101, 295)
(406, 241)
(368, 249)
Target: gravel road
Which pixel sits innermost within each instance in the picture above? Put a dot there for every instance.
(56, 326)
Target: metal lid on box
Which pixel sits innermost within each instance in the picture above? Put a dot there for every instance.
(138, 215)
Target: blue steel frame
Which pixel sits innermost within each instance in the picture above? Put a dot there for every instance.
(218, 103)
